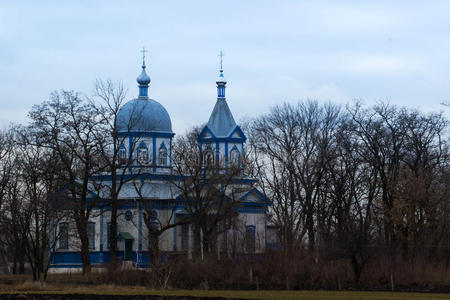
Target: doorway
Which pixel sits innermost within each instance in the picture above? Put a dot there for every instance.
(128, 249)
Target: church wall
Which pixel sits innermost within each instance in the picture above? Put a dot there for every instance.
(224, 149)
(259, 221)
(153, 145)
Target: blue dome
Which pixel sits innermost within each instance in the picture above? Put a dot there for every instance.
(143, 79)
(143, 115)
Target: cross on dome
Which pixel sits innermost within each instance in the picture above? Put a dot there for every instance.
(143, 80)
(143, 56)
(221, 59)
(221, 82)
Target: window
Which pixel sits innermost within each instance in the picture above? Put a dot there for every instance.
(162, 156)
(64, 236)
(128, 215)
(250, 239)
(122, 155)
(234, 157)
(208, 159)
(142, 155)
(185, 237)
(91, 234)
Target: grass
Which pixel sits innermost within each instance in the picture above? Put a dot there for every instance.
(22, 284)
(269, 295)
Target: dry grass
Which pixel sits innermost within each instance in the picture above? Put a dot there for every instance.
(109, 289)
(268, 295)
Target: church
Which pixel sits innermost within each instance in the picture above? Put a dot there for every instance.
(146, 139)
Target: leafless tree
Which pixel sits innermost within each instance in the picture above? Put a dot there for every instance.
(208, 190)
(68, 126)
(293, 147)
(107, 101)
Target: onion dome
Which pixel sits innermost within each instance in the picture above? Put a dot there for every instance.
(143, 114)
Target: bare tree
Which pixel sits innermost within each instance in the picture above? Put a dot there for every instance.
(209, 191)
(69, 127)
(292, 145)
(107, 102)
(36, 214)
(6, 169)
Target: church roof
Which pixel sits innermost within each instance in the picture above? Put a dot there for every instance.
(143, 115)
(221, 122)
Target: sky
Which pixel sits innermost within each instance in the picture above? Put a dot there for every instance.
(275, 52)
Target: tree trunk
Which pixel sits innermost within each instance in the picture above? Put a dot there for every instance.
(113, 234)
(197, 244)
(85, 258)
(357, 268)
(154, 248)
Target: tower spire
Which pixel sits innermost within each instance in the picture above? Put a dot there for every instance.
(143, 80)
(221, 82)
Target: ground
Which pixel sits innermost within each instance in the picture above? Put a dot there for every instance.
(13, 286)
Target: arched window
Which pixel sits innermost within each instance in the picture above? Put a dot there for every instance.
(142, 155)
(64, 235)
(235, 157)
(162, 156)
(208, 158)
(122, 155)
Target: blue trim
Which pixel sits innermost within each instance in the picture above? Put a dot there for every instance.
(258, 194)
(205, 129)
(73, 259)
(145, 134)
(230, 139)
(239, 131)
(130, 148)
(101, 229)
(222, 140)
(175, 234)
(252, 210)
(164, 177)
(140, 228)
(108, 230)
(221, 91)
(217, 153)
(154, 153)
(143, 90)
(170, 152)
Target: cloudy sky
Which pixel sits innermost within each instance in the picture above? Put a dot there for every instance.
(275, 51)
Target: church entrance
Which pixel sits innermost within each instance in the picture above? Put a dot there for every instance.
(128, 249)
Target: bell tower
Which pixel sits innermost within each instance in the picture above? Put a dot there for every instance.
(222, 140)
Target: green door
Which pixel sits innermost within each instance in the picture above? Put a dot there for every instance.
(128, 249)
